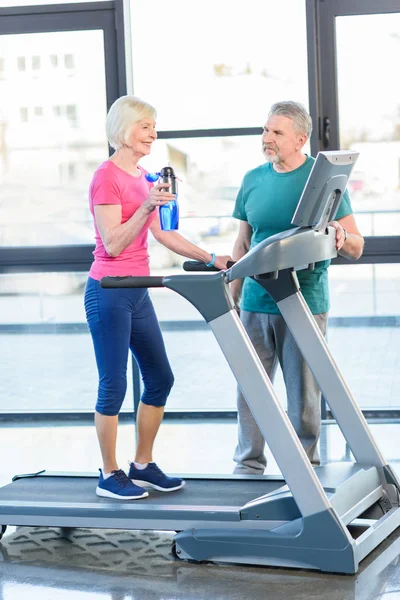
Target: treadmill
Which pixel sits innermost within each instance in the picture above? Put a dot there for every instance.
(327, 518)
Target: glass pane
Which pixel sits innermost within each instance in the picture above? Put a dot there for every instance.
(363, 335)
(218, 66)
(52, 114)
(5, 3)
(210, 169)
(210, 172)
(41, 298)
(365, 290)
(48, 361)
(369, 114)
(364, 332)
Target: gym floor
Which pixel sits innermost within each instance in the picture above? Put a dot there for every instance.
(87, 564)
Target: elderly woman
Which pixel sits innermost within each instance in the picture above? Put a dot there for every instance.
(124, 207)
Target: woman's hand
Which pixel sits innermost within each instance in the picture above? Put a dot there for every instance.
(221, 262)
(157, 197)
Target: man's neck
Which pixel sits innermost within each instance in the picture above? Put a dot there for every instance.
(292, 163)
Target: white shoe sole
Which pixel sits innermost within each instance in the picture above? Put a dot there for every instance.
(157, 487)
(106, 494)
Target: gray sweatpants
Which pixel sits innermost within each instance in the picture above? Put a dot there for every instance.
(273, 341)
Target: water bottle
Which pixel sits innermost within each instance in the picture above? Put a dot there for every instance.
(169, 213)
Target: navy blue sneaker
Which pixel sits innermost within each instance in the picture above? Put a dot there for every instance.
(118, 485)
(152, 476)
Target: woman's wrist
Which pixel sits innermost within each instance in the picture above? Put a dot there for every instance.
(147, 210)
(212, 260)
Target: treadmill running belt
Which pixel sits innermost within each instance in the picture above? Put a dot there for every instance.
(219, 492)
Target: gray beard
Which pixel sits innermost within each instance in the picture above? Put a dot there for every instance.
(274, 159)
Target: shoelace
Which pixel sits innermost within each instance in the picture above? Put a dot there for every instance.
(121, 477)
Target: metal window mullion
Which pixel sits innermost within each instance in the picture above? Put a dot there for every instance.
(207, 133)
(347, 8)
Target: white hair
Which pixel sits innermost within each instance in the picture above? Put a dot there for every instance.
(123, 113)
(296, 112)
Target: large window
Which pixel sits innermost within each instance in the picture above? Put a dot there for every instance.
(51, 135)
(358, 109)
(60, 69)
(369, 117)
(212, 85)
(218, 64)
(212, 72)
(359, 105)
(364, 331)
(5, 3)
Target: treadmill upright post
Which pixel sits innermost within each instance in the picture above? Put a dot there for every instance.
(210, 295)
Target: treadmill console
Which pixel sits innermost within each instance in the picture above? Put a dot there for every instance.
(324, 189)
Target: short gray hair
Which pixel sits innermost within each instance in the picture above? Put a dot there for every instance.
(126, 111)
(296, 112)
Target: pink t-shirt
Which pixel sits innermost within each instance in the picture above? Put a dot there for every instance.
(112, 185)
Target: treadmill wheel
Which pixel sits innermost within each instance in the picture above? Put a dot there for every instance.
(176, 554)
(3, 530)
(173, 550)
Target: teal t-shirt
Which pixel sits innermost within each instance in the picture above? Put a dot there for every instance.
(267, 201)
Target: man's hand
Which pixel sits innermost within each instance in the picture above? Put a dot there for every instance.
(349, 241)
(341, 234)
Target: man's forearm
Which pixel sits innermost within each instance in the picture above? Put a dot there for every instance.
(353, 246)
(236, 290)
(239, 250)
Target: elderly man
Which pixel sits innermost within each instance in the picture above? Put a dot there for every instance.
(265, 205)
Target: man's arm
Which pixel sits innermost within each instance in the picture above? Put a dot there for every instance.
(240, 248)
(349, 241)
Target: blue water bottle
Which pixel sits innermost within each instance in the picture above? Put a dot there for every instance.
(169, 213)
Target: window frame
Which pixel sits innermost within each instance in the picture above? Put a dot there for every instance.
(323, 92)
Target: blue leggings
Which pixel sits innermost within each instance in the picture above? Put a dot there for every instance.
(119, 320)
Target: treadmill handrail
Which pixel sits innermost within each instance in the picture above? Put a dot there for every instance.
(293, 248)
(132, 282)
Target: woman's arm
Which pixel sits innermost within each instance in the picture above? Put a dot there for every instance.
(117, 236)
(177, 243)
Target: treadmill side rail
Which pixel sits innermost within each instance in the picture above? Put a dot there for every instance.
(27, 475)
(297, 544)
(377, 532)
